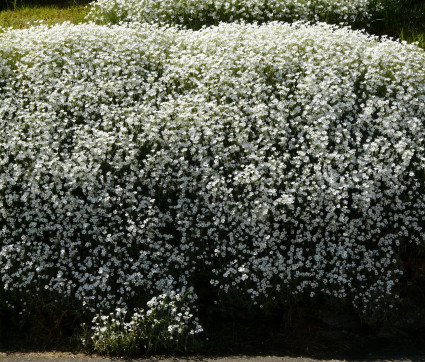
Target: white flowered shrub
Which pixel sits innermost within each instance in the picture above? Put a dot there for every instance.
(166, 325)
(278, 161)
(196, 13)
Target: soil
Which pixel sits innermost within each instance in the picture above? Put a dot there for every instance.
(65, 357)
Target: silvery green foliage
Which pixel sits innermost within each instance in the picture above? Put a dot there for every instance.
(196, 13)
(279, 159)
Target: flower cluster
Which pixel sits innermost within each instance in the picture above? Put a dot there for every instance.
(278, 160)
(196, 13)
(166, 325)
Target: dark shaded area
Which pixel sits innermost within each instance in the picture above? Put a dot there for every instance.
(315, 328)
(407, 16)
(41, 322)
(323, 327)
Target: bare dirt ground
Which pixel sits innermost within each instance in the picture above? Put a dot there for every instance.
(70, 357)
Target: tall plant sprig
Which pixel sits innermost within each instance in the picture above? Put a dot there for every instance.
(166, 325)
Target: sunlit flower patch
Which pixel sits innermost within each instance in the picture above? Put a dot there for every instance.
(196, 13)
(278, 160)
(166, 325)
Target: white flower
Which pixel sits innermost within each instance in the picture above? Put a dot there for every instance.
(198, 12)
(276, 158)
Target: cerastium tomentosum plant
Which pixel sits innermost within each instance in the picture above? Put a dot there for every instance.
(276, 160)
(167, 325)
(196, 13)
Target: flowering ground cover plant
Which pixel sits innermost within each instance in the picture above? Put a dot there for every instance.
(277, 161)
(167, 324)
(196, 13)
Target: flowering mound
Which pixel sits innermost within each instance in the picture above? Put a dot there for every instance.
(196, 13)
(275, 161)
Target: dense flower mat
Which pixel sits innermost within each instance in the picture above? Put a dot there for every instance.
(277, 160)
(196, 13)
